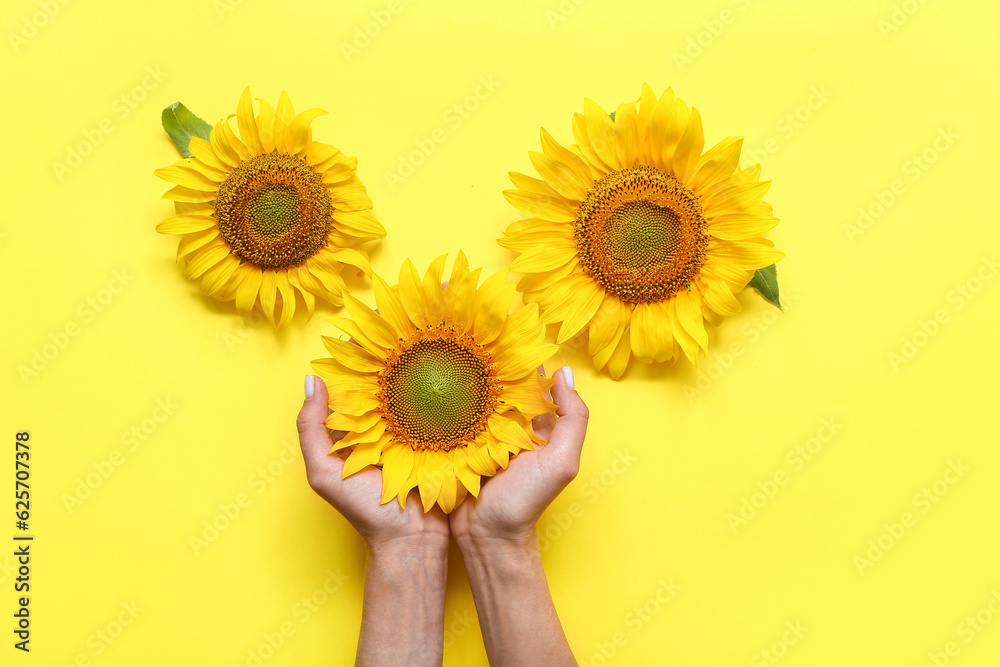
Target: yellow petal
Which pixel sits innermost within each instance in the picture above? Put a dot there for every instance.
(353, 356)
(268, 293)
(601, 132)
(188, 196)
(689, 148)
(221, 147)
(185, 224)
(578, 172)
(651, 335)
(307, 296)
(581, 310)
(391, 308)
(206, 258)
(246, 293)
(525, 360)
(719, 297)
(287, 299)
(686, 341)
(248, 124)
(216, 279)
(717, 164)
(354, 331)
(283, 116)
(373, 326)
(562, 178)
(347, 256)
(556, 209)
(340, 422)
(626, 125)
(412, 294)
(298, 135)
(361, 224)
(618, 362)
(397, 464)
(479, 460)
(192, 242)
(189, 178)
(491, 305)
(429, 477)
(203, 150)
(364, 455)
(265, 125)
(542, 258)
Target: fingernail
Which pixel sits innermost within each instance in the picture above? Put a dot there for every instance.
(310, 386)
(568, 376)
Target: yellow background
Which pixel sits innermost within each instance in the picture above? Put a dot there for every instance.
(868, 85)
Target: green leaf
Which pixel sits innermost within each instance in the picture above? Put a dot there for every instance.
(765, 281)
(181, 125)
(612, 114)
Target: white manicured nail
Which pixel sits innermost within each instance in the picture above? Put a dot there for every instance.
(568, 376)
(310, 386)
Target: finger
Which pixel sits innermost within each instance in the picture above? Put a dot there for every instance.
(314, 437)
(570, 428)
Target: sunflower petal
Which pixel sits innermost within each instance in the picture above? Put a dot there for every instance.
(248, 123)
(556, 209)
(298, 135)
(397, 464)
(287, 299)
(246, 293)
(185, 224)
(601, 132)
(626, 125)
(581, 311)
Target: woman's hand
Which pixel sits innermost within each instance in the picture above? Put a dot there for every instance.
(358, 496)
(402, 620)
(510, 503)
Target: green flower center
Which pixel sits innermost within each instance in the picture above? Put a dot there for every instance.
(274, 211)
(438, 391)
(641, 234)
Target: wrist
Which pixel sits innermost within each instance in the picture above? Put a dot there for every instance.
(513, 549)
(400, 549)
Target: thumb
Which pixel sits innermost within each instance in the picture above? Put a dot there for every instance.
(566, 441)
(314, 437)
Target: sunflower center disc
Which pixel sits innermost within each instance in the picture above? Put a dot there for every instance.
(640, 233)
(437, 392)
(274, 211)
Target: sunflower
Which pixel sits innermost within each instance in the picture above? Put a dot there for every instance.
(438, 387)
(637, 235)
(272, 212)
